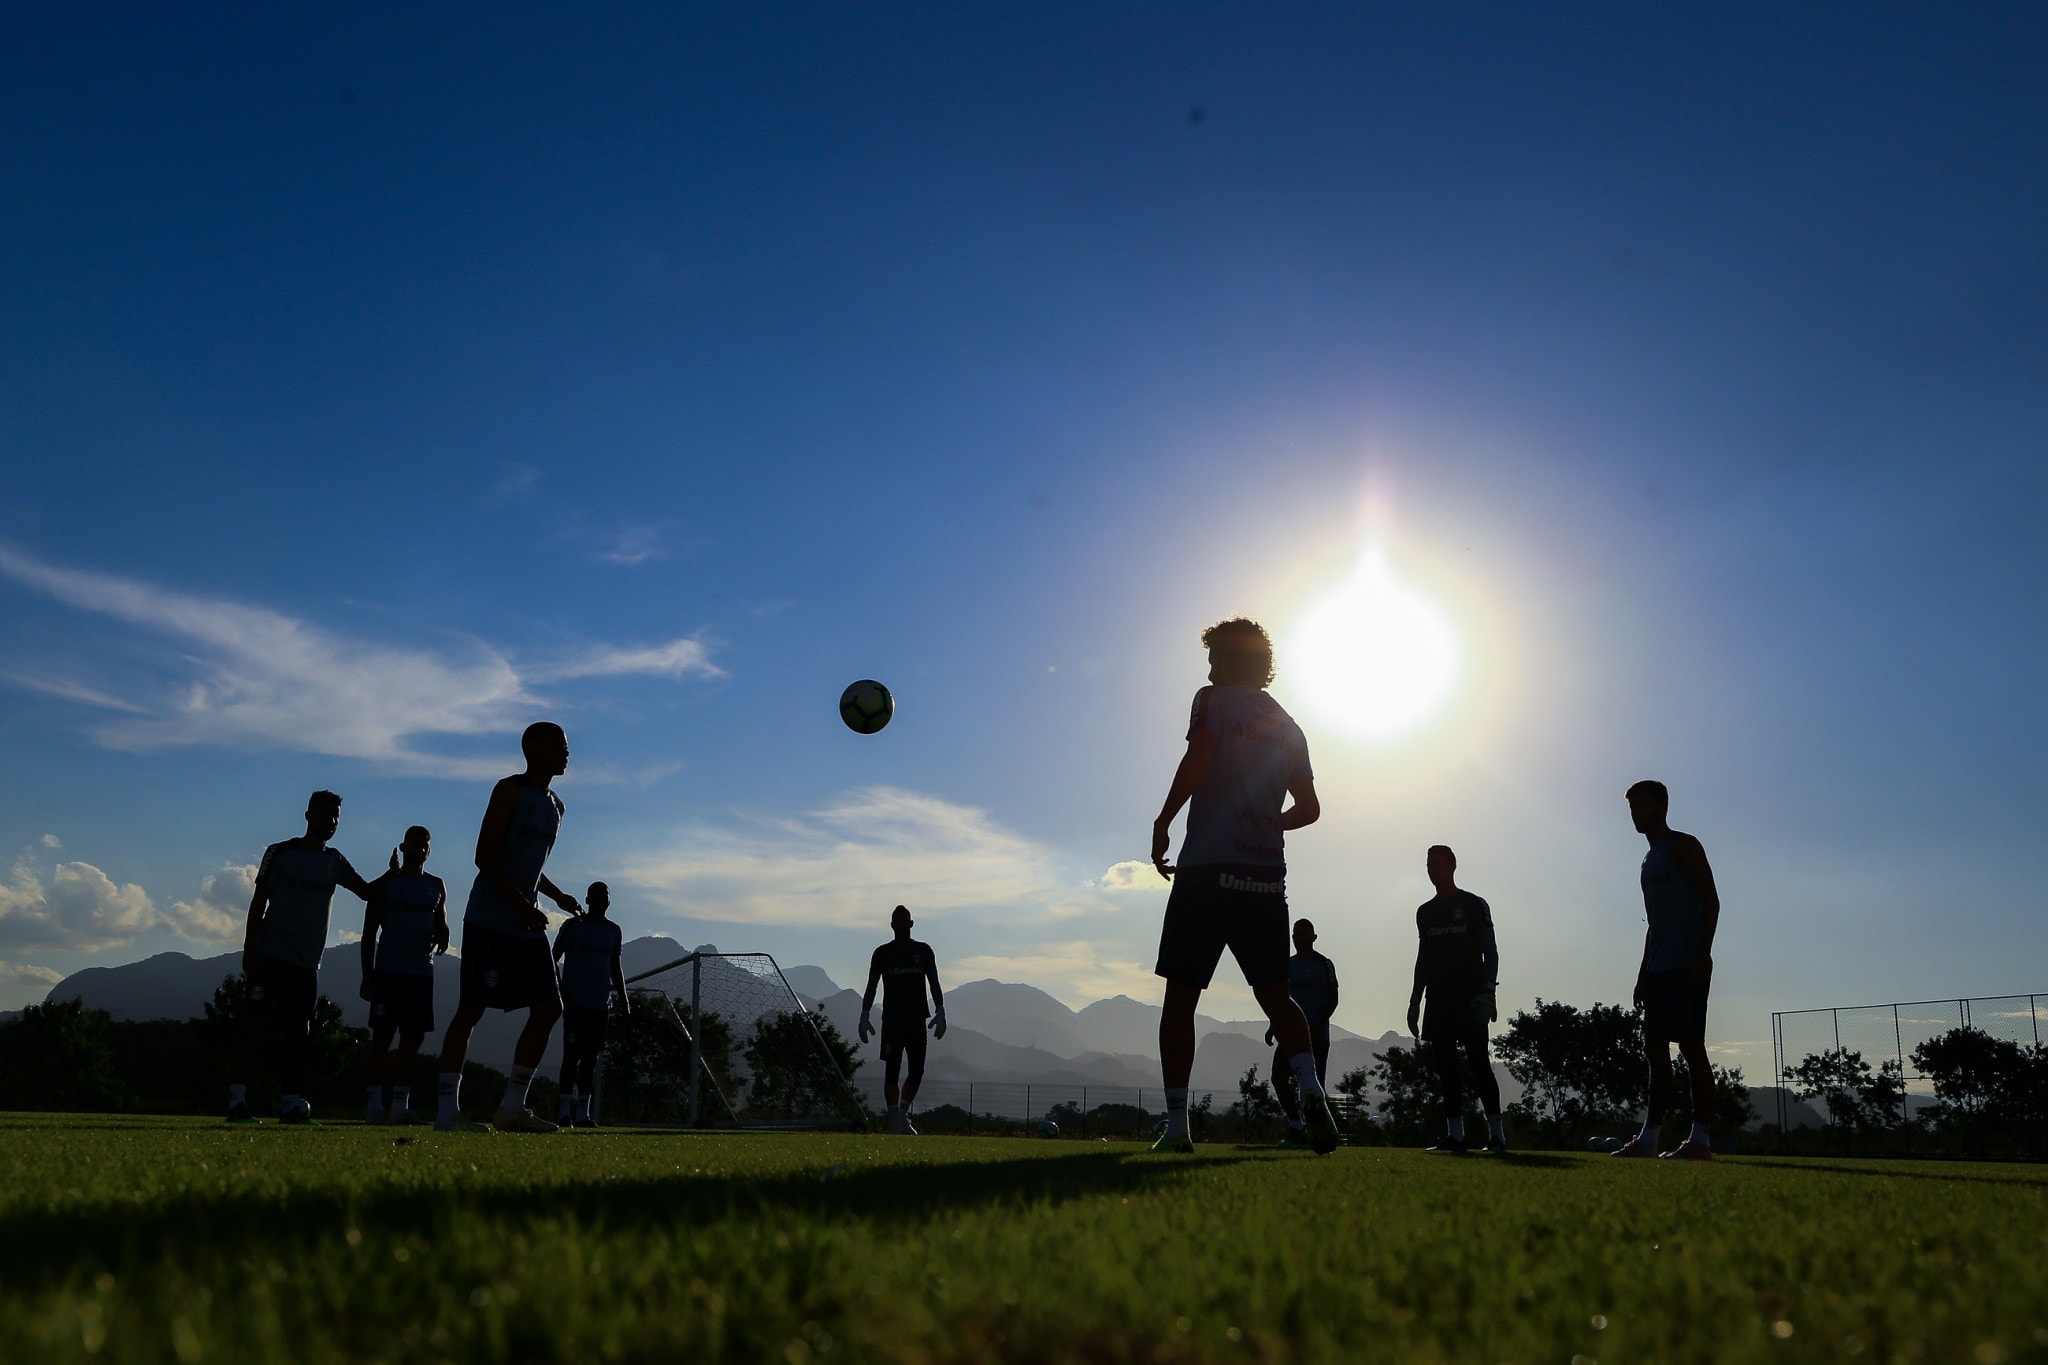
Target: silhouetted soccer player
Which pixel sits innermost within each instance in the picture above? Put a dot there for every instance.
(1245, 756)
(1311, 984)
(1683, 909)
(405, 926)
(281, 953)
(904, 967)
(1458, 963)
(505, 961)
(587, 948)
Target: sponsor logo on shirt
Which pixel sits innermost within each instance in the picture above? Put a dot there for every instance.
(1230, 881)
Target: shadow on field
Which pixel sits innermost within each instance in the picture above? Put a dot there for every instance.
(43, 1247)
(1948, 1172)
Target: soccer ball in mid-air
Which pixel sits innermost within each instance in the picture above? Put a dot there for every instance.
(1048, 1129)
(866, 706)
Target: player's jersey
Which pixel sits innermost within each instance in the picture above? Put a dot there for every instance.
(588, 946)
(1235, 814)
(1312, 981)
(405, 936)
(903, 968)
(1456, 933)
(301, 882)
(522, 852)
(1672, 903)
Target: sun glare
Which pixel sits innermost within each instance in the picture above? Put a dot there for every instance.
(1373, 657)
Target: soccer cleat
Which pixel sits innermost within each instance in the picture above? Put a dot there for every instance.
(301, 1117)
(1498, 1146)
(585, 1122)
(1455, 1146)
(1687, 1151)
(1179, 1143)
(376, 1116)
(458, 1124)
(407, 1118)
(1293, 1142)
(909, 1128)
(1635, 1147)
(1321, 1123)
(239, 1113)
(521, 1121)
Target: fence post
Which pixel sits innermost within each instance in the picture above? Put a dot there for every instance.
(1027, 1108)
(970, 1109)
(2034, 1015)
(1778, 1081)
(1084, 1111)
(1836, 1016)
(696, 1031)
(1899, 1050)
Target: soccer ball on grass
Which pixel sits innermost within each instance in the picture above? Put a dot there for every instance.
(1048, 1129)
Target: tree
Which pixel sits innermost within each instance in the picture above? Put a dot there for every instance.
(55, 1056)
(1577, 1068)
(1407, 1089)
(1354, 1095)
(647, 1061)
(1857, 1099)
(1257, 1108)
(790, 1075)
(1978, 1078)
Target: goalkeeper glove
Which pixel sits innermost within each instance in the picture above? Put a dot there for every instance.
(867, 1029)
(939, 1024)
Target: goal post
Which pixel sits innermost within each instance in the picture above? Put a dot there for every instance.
(721, 1040)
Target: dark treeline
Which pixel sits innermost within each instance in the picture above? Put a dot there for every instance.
(64, 1057)
(1990, 1098)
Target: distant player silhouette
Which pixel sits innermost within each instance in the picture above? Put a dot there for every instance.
(1245, 756)
(505, 960)
(1683, 909)
(1457, 962)
(903, 967)
(281, 947)
(587, 947)
(405, 927)
(1312, 984)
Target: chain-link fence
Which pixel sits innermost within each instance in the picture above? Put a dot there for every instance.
(1968, 1073)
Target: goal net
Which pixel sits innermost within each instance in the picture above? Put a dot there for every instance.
(720, 1039)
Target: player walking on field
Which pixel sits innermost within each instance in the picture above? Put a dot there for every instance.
(404, 928)
(1683, 909)
(281, 949)
(505, 962)
(904, 967)
(587, 949)
(1245, 756)
(1457, 963)
(1311, 984)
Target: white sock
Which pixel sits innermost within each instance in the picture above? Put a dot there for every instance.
(1455, 1126)
(376, 1099)
(1304, 1064)
(1648, 1137)
(1700, 1137)
(1296, 1126)
(237, 1094)
(582, 1114)
(565, 1107)
(1177, 1112)
(451, 1097)
(1493, 1127)
(287, 1103)
(401, 1099)
(516, 1086)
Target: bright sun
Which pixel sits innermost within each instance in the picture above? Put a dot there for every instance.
(1374, 657)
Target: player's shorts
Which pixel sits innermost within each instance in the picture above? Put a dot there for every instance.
(906, 1040)
(285, 991)
(584, 1027)
(1212, 908)
(1674, 1007)
(1454, 1015)
(506, 971)
(405, 1001)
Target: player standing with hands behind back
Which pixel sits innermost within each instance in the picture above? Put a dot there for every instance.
(588, 948)
(404, 928)
(904, 967)
(1458, 963)
(1245, 756)
(1683, 908)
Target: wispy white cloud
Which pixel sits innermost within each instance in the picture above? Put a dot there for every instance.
(634, 545)
(1132, 876)
(260, 679)
(684, 658)
(847, 863)
(1077, 972)
(28, 974)
(52, 841)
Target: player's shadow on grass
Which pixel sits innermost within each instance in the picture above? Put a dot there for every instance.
(1951, 1170)
(47, 1246)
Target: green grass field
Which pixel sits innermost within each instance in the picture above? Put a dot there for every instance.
(175, 1239)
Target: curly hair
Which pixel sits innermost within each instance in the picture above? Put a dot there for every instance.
(1245, 638)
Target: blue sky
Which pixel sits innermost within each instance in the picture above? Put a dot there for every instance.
(372, 383)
